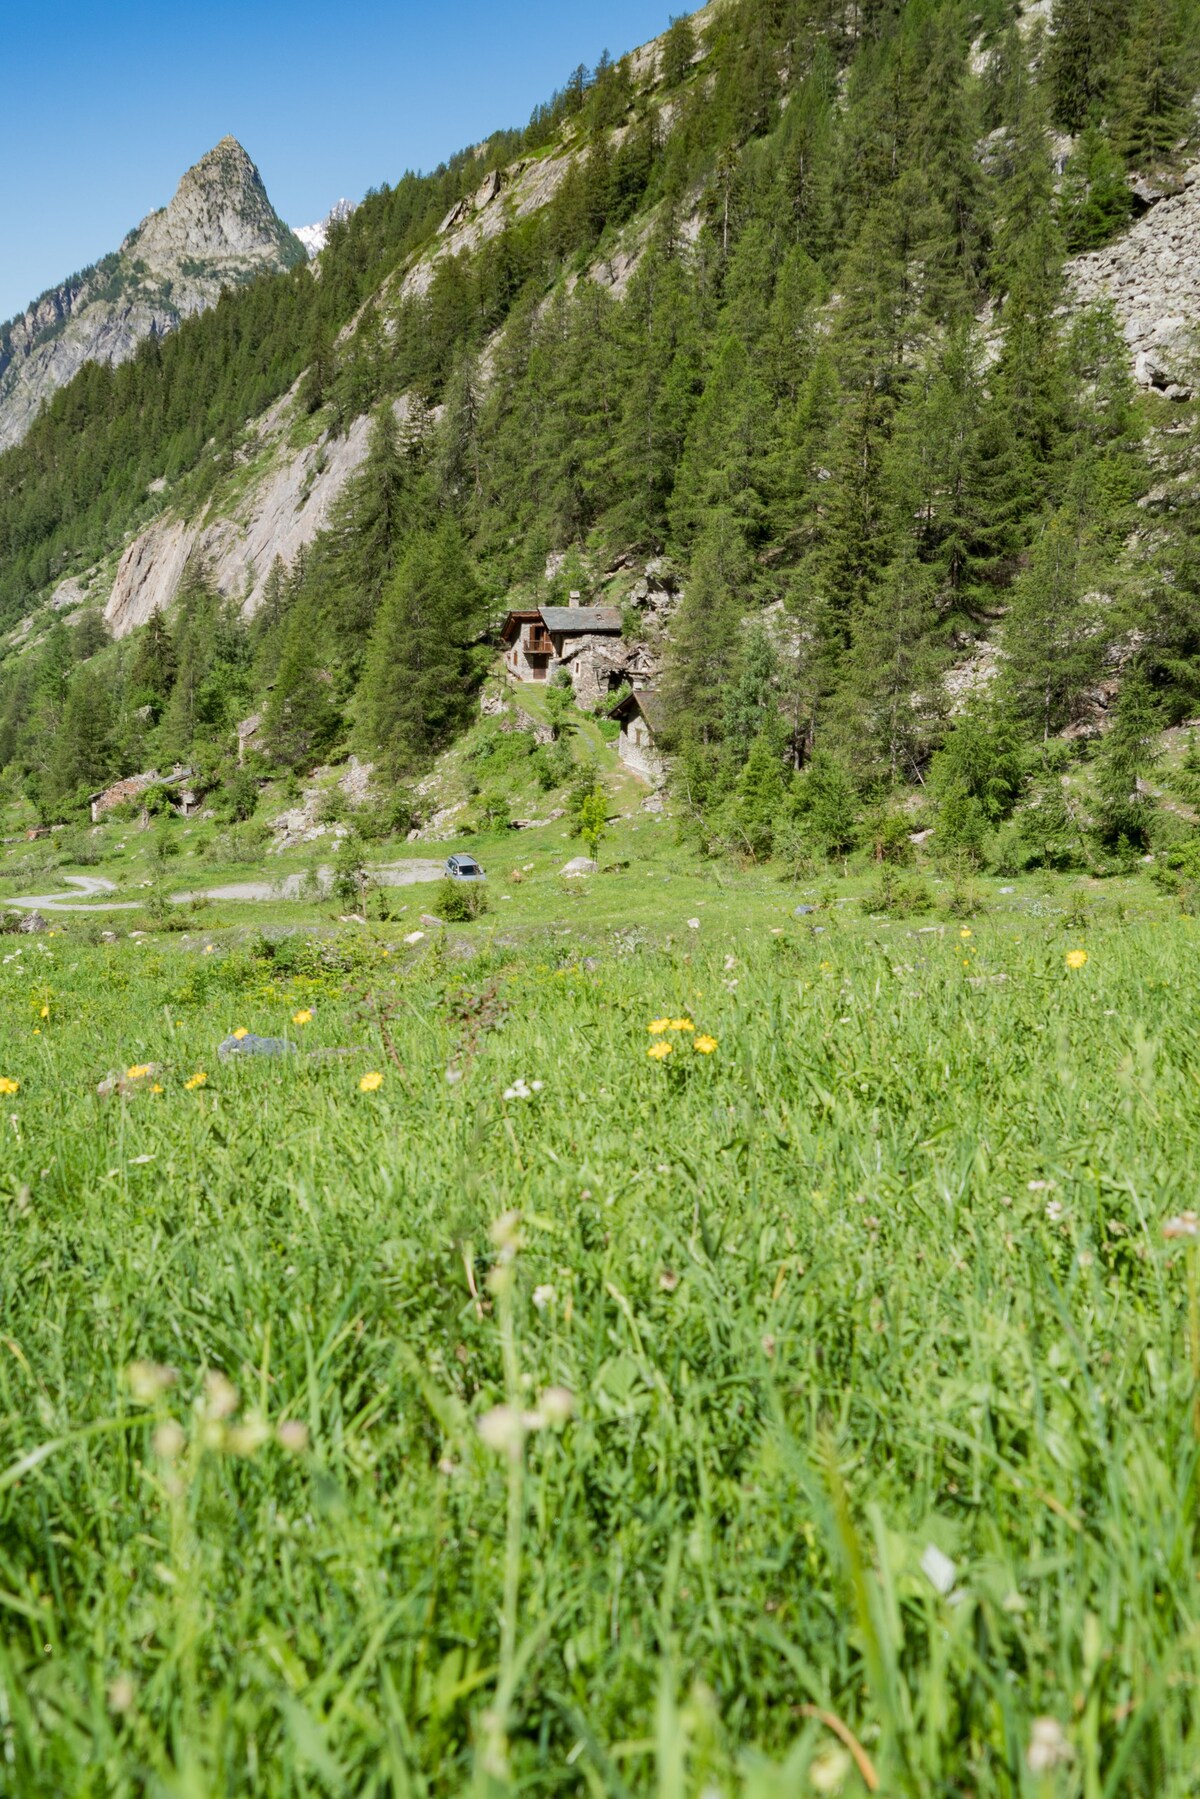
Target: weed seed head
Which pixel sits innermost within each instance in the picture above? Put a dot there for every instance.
(148, 1381)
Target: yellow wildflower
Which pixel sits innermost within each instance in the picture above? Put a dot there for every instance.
(9, 1086)
(197, 1080)
(1076, 958)
(157, 1087)
(302, 1017)
(241, 1032)
(138, 1072)
(682, 1024)
(370, 1083)
(704, 1044)
(657, 1025)
(208, 949)
(659, 1050)
(966, 931)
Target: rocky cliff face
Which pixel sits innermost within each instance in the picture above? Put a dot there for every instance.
(219, 230)
(1152, 277)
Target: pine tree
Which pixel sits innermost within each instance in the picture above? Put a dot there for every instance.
(300, 720)
(83, 757)
(887, 709)
(1082, 55)
(704, 631)
(751, 705)
(1156, 79)
(724, 461)
(416, 680)
(662, 356)
(753, 815)
(152, 675)
(1094, 202)
(679, 47)
(1053, 652)
(366, 532)
(1129, 751)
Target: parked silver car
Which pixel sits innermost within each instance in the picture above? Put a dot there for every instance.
(464, 868)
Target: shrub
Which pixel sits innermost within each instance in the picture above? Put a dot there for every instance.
(334, 808)
(492, 813)
(458, 902)
(552, 765)
(393, 816)
(899, 895)
(350, 869)
(962, 825)
(890, 842)
(238, 798)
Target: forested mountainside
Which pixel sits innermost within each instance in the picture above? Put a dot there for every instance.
(786, 300)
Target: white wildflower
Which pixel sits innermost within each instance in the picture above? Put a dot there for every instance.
(1048, 1746)
(501, 1430)
(938, 1570)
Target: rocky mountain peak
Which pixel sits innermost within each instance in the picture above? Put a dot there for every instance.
(220, 211)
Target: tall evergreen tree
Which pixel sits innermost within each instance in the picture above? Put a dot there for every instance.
(704, 631)
(417, 676)
(1052, 649)
(83, 755)
(301, 719)
(1128, 753)
(152, 675)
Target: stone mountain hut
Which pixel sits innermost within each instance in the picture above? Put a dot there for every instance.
(545, 639)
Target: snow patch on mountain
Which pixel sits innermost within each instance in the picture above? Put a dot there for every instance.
(315, 237)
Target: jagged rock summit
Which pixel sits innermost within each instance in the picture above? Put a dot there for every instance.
(220, 216)
(219, 230)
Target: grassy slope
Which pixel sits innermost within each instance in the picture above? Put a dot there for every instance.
(814, 1315)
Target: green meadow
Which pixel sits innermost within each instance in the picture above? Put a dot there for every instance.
(469, 1400)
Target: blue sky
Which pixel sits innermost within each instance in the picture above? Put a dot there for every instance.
(102, 108)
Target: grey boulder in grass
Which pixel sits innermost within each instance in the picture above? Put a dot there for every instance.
(250, 1045)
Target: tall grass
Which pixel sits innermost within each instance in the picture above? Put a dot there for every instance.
(880, 1469)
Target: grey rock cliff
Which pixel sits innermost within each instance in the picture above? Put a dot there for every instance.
(1152, 277)
(220, 230)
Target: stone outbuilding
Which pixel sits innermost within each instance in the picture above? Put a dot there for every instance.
(642, 720)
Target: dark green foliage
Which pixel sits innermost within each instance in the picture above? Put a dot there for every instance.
(239, 797)
(1127, 755)
(301, 719)
(679, 47)
(418, 672)
(981, 758)
(1095, 200)
(827, 805)
(155, 666)
(82, 757)
(391, 816)
(457, 902)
